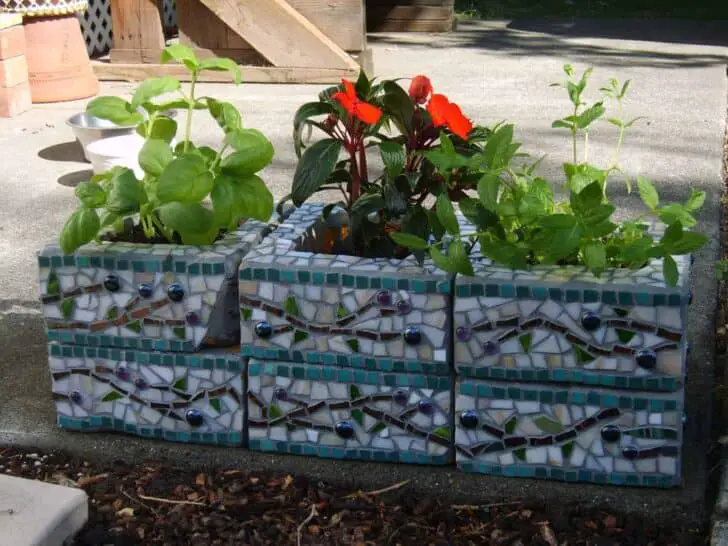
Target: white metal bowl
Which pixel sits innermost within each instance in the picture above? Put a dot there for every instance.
(88, 129)
(117, 151)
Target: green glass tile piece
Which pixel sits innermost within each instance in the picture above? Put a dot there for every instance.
(462, 291)
(593, 398)
(288, 276)
(555, 294)
(539, 293)
(636, 383)
(492, 291)
(304, 276)
(625, 298)
(507, 291)
(573, 296)
(57, 261)
(641, 298)
(362, 282)
(44, 261)
(639, 403)
(332, 278)
(403, 284)
(375, 282)
(69, 261)
(246, 274)
(659, 300)
(530, 396)
(609, 297)
(347, 280)
(590, 296)
(122, 264)
(319, 277)
(418, 286)
(674, 300)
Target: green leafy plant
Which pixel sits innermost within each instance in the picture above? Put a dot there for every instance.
(189, 194)
(414, 133)
(519, 222)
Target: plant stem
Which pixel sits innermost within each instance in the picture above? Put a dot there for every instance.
(586, 146)
(219, 157)
(355, 180)
(573, 134)
(363, 174)
(190, 109)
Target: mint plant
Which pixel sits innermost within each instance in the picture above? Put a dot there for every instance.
(189, 194)
(519, 222)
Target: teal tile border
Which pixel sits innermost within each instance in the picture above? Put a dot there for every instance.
(612, 295)
(137, 263)
(571, 475)
(358, 280)
(221, 360)
(561, 377)
(103, 423)
(103, 340)
(346, 361)
(347, 375)
(359, 454)
(554, 394)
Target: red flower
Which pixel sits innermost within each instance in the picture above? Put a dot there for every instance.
(420, 89)
(444, 112)
(356, 107)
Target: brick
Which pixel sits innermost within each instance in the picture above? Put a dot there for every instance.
(12, 42)
(15, 100)
(13, 71)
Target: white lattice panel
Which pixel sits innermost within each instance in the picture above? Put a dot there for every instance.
(43, 7)
(96, 27)
(170, 13)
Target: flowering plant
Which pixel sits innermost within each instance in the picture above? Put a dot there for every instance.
(415, 132)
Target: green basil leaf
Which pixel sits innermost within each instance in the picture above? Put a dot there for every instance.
(446, 214)
(669, 271)
(81, 228)
(154, 156)
(91, 194)
(488, 189)
(314, 167)
(125, 194)
(459, 258)
(222, 64)
(675, 212)
(689, 242)
(115, 110)
(254, 199)
(181, 54)
(590, 115)
(648, 193)
(225, 114)
(163, 128)
(153, 87)
(185, 179)
(696, 200)
(595, 257)
(190, 218)
(253, 152)
(408, 240)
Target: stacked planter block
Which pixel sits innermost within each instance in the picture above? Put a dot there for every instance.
(349, 356)
(568, 377)
(14, 87)
(143, 338)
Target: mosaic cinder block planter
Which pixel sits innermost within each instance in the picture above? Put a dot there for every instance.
(301, 305)
(180, 397)
(626, 329)
(344, 413)
(142, 296)
(569, 433)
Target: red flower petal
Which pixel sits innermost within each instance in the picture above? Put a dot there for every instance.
(457, 122)
(345, 101)
(350, 91)
(420, 89)
(437, 108)
(366, 112)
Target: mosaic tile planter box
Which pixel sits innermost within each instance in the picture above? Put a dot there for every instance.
(569, 433)
(142, 296)
(299, 305)
(179, 397)
(345, 413)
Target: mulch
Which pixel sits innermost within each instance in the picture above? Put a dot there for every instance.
(152, 504)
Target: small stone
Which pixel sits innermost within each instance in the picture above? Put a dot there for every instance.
(611, 433)
(490, 348)
(344, 429)
(31, 456)
(145, 290)
(263, 329)
(647, 359)
(112, 283)
(384, 297)
(281, 394)
(192, 318)
(591, 321)
(469, 419)
(463, 333)
(412, 335)
(123, 374)
(176, 292)
(404, 307)
(401, 397)
(37, 464)
(194, 417)
(141, 384)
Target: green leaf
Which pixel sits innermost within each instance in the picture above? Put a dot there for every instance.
(245, 313)
(675, 212)
(354, 392)
(408, 240)
(363, 86)
(393, 156)
(179, 332)
(81, 228)
(379, 427)
(458, 258)
(185, 179)
(443, 432)
(358, 416)
(290, 306)
(180, 384)
(115, 110)
(163, 128)
(582, 357)
(648, 193)
(91, 195)
(274, 412)
(253, 152)
(314, 167)
(488, 189)
(669, 270)
(616, 122)
(566, 450)
(547, 424)
(216, 404)
(135, 326)
(525, 341)
(299, 336)
(305, 112)
(624, 336)
(582, 175)
(688, 243)
(236, 198)
(67, 307)
(353, 344)
(111, 396)
(125, 194)
(520, 454)
(510, 425)
(255, 199)
(590, 115)
(446, 214)
(562, 124)
(221, 64)
(574, 93)
(595, 257)
(181, 54)
(154, 156)
(696, 200)
(185, 218)
(342, 312)
(54, 284)
(367, 203)
(397, 104)
(112, 313)
(498, 151)
(588, 198)
(225, 114)
(153, 87)
(561, 236)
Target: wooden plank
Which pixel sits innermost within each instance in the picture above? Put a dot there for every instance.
(390, 3)
(419, 13)
(251, 74)
(411, 25)
(280, 33)
(137, 26)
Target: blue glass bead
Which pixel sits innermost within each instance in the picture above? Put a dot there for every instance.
(344, 429)
(76, 397)
(611, 433)
(647, 359)
(401, 397)
(176, 292)
(590, 321)
(145, 290)
(463, 334)
(111, 283)
(263, 329)
(630, 452)
(412, 335)
(469, 419)
(425, 406)
(404, 307)
(194, 417)
(490, 348)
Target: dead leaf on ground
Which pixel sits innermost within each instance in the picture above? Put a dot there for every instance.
(90, 480)
(125, 513)
(548, 535)
(200, 480)
(287, 482)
